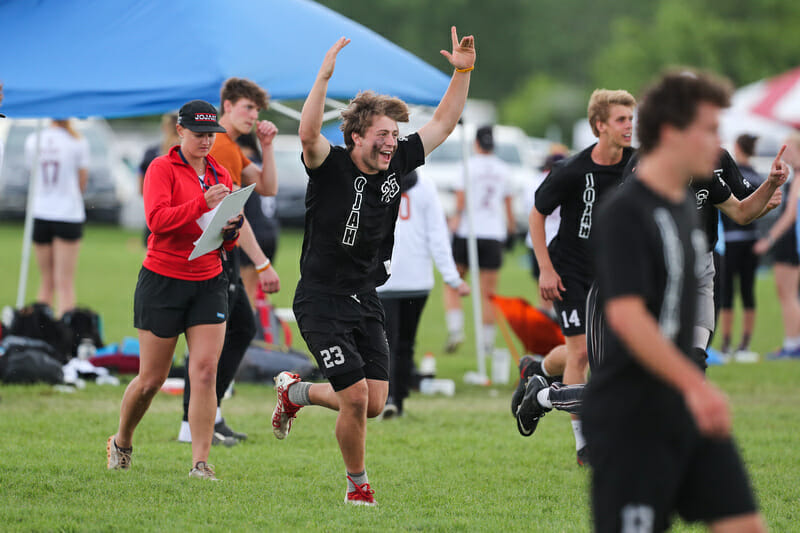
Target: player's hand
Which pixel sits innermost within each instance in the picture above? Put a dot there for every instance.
(550, 285)
(709, 408)
(463, 55)
(215, 194)
(463, 289)
(269, 280)
(762, 246)
(779, 171)
(453, 222)
(266, 132)
(774, 201)
(328, 64)
(231, 230)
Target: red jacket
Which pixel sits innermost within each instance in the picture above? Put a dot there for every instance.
(173, 201)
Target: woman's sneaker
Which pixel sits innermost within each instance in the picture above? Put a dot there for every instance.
(361, 495)
(285, 411)
(118, 458)
(203, 470)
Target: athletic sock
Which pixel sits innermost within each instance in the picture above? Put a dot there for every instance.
(543, 397)
(745, 344)
(356, 479)
(455, 321)
(545, 373)
(726, 344)
(488, 337)
(218, 418)
(185, 434)
(577, 430)
(298, 393)
(791, 343)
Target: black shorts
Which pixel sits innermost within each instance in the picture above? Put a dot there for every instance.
(644, 473)
(571, 309)
(44, 231)
(490, 253)
(785, 249)
(168, 306)
(345, 334)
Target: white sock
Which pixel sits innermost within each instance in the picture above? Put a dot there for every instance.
(791, 343)
(701, 337)
(544, 370)
(455, 321)
(488, 337)
(577, 430)
(218, 419)
(185, 434)
(543, 397)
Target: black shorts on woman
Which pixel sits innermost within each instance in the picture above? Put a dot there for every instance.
(168, 306)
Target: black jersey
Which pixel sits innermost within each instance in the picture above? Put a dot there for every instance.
(645, 246)
(350, 219)
(576, 185)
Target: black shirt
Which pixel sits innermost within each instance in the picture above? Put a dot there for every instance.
(751, 180)
(350, 219)
(576, 185)
(645, 246)
(712, 191)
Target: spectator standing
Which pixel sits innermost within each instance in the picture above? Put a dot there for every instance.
(58, 209)
(490, 199)
(420, 237)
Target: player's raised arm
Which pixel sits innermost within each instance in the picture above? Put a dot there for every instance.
(449, 109)
(315, 146)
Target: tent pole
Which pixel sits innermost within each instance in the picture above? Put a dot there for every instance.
(472, 256)
(28, 231)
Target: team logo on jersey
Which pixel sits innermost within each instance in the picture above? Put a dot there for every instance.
(589, 197)
(389, 189)
(353, 220)
(701, 196)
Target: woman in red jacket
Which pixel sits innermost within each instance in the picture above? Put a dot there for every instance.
(175, 295)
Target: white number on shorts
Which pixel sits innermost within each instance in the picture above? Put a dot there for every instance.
(637, 519)
(332, 356)
(573, 318)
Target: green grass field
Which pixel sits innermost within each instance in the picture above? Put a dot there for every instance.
(451, 464)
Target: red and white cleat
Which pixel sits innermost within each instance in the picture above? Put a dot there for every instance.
(361, 495)
(285, 411)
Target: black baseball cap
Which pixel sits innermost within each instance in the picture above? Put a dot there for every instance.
(199, 116)
(485, 138)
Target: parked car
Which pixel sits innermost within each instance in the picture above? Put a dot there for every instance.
(290, 202)
(445, 166)
(111, 182)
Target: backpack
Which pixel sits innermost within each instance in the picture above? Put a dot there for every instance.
(24, 360)
(82, 323)
(36, 321)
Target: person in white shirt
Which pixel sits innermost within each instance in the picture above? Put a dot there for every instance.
(58, 211)
(419, 237)
(493, 221)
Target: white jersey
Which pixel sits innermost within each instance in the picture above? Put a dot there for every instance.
(489, 177)
(419, 236)
(61, 155)
(551, 222)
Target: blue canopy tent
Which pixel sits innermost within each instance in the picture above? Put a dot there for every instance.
(140, 57)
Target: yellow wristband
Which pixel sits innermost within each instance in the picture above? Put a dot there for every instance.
(263, 266)
(465, 69)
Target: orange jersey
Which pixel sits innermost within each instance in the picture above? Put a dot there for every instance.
(228, 154)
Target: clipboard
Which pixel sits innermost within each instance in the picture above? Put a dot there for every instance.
(231, 205)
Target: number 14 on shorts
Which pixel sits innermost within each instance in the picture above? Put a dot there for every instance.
(332, 356)
(573, 319)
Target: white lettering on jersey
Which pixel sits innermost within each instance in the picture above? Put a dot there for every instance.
(669, 317)
(351, 227)
(701, 196)
(389, 189)
(589, 197)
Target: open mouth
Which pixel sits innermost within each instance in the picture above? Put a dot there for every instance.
(386, 155)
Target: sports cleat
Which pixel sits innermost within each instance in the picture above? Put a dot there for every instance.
(454, 340)
(222, 428)
(783, 354)
(361, 495)
(203, 470)
(583, 456)
(527, 366)
(118, 458)
(285, 411)
(218, 438)
(529, 411)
